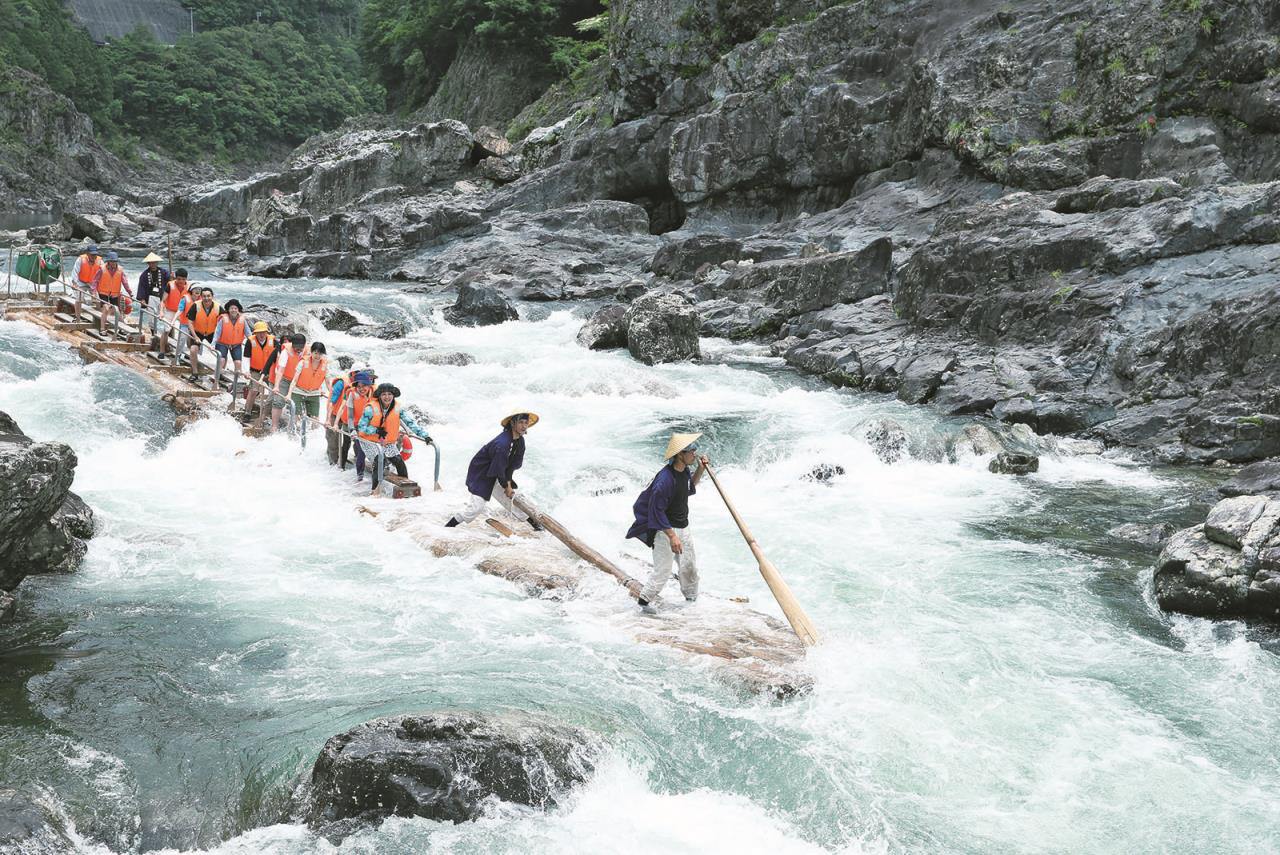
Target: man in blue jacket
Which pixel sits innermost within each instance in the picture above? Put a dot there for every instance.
(494, 465)
(662, 518)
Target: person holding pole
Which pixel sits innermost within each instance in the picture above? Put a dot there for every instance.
(151, 284)
(111, 284)
(494, 465)
(203, 315)
(261, 345)
(228, 341)
(379, 430)
(662, 519)
(286, 361)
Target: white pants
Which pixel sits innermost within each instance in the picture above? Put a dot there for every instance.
(662, 560)
(476, 506)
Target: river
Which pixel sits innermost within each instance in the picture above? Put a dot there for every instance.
(995, 676)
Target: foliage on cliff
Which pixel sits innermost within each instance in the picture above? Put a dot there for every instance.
(408, 44)
(236, 92)
(39, 36)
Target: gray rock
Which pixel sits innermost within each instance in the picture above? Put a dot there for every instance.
(887, 439)
(1200, 577)
(1144, 534)
(809, 284)
(823, 473)
(8, 605)
(43, 524)
(607, 329)
(1243, 522)
(662, 327)
(334, 318)
(479, 305)
(454, 359)
(498, 169)
(1260, 477)
(388, 331)
(975, 440)
(680, 259)
(283, 322)
(443, 766)
(1014, 463)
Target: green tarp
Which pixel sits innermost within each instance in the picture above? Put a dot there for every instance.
(41, 266)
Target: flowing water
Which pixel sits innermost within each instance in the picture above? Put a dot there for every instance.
(995, 675)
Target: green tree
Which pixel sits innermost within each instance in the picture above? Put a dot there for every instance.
(39, 36)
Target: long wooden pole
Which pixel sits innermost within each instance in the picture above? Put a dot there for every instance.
(586, 553)
(781, 591)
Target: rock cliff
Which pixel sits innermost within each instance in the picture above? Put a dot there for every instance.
(43, 524)
(1062, 215)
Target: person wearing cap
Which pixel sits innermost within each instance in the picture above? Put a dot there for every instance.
(262, 344)
(356, 395)
(335, 412)
(151, 284)
(171, 294)
(111, 284)
(495, 465)
(87, 266)
(379, 431)
(228, 340)
(662, 518)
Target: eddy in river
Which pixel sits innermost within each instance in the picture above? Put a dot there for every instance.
(494, 464)
(663, 508)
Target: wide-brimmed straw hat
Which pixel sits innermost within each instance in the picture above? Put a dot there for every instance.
(151, 256)
(533, 418)
(679, 442)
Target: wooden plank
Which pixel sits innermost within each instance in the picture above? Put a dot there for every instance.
(125, 346)
(579, 548)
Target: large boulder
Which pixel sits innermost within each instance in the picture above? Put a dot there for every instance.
(607, 329)
(1014, 463)
(1227, 567)
(1260, 477)
(43, 525)
(283, 322)
(796, 285)
(479, 305)
(680, 259)
(443, 766)
(662, 327)
(388, 331)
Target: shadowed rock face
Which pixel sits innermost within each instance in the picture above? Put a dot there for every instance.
(42, 523)
(443, 766)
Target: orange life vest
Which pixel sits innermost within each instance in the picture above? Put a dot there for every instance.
(339, 407)
(358, 403)
(183, 307)
(206, 321)
(177, 290)
(110, 281)
(380, 419)
(89, 268)
(232, 333)
(258, 353)
(312, 375)
(285, 367)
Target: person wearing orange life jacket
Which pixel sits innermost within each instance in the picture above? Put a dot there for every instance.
(261, 345)
(310, 382)
(228, 340)
(284, 368)
(203, 315)
(87, 267)
(183, 338)
(356, 396)
(171, 294)
(111, 285)
(334, 413)
(379, 430)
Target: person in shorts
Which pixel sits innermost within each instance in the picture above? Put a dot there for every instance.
(286, 361)
(228, 339)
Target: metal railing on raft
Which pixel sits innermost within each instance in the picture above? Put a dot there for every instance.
(169, 328)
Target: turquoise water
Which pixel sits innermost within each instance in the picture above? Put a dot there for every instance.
(994, 678)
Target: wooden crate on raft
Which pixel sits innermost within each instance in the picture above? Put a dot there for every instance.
(395, 487)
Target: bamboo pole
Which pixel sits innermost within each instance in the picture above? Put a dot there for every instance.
(586, 553)
(781, 591)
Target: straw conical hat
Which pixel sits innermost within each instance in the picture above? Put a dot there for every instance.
(679, 442)
(151, 256)
(533, 417)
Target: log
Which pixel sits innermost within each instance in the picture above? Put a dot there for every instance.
(586, 553)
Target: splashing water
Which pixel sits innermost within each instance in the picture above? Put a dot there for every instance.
(994, 676)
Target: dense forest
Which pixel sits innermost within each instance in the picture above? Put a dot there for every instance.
(258, 78)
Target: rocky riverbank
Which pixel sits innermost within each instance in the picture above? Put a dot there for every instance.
(1058, 216)
(43, 525)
